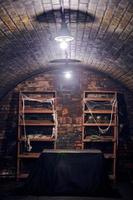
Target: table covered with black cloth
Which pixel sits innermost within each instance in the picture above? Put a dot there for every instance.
(67, 172)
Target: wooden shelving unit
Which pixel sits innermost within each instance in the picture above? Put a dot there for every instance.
(37, 128)
(100, 125)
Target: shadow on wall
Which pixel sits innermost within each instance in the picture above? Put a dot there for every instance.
(8, 145)
(124, 133)
(71, 15)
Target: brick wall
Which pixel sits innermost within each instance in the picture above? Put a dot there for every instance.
(69, 108)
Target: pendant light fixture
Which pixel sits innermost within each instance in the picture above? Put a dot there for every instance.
(64, 36)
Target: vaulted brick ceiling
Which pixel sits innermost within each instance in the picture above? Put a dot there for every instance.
(103, 32)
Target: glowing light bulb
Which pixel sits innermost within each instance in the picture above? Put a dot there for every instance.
(63, 45)
(68, 75)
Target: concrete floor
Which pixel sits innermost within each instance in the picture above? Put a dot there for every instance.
(125, 190)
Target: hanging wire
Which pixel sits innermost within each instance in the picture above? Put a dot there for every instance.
(62, 11)
(26, 98)
(103, 130)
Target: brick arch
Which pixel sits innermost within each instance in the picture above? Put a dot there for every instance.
(51, 67)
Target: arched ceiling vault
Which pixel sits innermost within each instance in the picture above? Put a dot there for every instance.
(102, 30)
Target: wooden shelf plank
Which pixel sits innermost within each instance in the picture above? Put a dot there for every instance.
(48, 139)
(99, 111)
(100, 91)
(98, 99)
(98, 124)
(39, 92)
(37, 123)
(99, 140)
(29, 155)
(37, 110)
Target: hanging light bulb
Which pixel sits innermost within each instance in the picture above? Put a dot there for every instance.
(64, 36)
(63, 45)
(68, 75)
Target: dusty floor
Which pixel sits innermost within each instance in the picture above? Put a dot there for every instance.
(125, 189)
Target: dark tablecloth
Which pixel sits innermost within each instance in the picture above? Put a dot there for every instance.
(61, 172)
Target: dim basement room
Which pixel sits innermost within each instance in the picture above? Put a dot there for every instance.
(66, 99)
